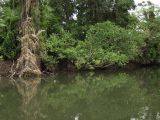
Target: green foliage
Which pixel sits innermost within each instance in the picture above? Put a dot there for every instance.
(77, 16)
(8, 32)
(63, 9)
(48, 20)
(108, 44)
(91, 12)
(78, 32)
(150, 24)
(2, 23)
(59, 47)
(151, 50)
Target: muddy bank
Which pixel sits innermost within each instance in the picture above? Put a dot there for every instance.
(5, 67)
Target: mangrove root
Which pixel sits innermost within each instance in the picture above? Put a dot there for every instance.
(28, 63)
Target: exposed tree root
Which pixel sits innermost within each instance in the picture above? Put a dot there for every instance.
(27, 64)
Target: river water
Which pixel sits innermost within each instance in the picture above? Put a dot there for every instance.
(101, 95)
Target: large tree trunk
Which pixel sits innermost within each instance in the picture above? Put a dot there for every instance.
(27, 64)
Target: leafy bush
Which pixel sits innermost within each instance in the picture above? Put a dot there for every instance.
(108, 44)
(105, 44)
(59, 47)
(48, 20)
(8, 32)
(151, 50)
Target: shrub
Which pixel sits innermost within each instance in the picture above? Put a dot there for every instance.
(8, 33)
(108, 44)
(59, 47)
(151, 52)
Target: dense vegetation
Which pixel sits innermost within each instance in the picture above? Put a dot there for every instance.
(85, 34)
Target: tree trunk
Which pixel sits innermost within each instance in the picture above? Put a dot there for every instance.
(27, 64)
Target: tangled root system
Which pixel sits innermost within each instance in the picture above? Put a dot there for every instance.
(27, 64)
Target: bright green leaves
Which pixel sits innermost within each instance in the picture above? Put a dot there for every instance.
(107, 43)
(59, 47)
(151, 50)
(2, 23)
(9, 19)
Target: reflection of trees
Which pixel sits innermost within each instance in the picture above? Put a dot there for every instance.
(9, 101)
(28, 90)
(99, 96)
(149, 81)
(94, 97)
(4, 83)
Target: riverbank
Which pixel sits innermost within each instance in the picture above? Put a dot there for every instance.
(81, 95)
(5, 68)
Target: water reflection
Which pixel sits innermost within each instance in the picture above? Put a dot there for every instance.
(95, 97)
(127, 95)
(28, 89)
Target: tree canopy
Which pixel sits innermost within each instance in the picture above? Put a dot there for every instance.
(86, 34)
